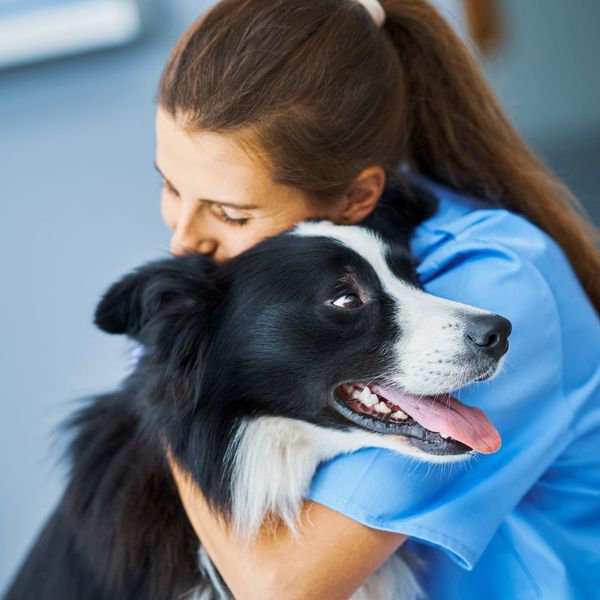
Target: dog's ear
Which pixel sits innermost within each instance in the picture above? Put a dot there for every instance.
(174, 283)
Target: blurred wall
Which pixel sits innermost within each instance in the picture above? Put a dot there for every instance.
(548, 79)
(81, 207)
(547, 73)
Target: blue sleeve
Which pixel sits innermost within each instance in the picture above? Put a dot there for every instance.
(458, 507)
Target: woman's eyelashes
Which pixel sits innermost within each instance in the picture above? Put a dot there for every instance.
(218, 212)
(167, 186)
(221, 214)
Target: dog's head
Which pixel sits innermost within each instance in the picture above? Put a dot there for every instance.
(323, 323)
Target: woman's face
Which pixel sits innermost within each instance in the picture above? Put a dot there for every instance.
(215, 199)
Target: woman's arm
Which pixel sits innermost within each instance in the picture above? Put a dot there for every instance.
(331, 558)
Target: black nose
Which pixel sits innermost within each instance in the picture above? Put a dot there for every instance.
(488, 334)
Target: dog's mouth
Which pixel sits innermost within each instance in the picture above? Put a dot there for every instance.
(435, 424)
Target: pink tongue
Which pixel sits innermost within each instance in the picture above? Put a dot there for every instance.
(447, 415)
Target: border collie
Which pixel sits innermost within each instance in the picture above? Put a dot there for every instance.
(312, 343)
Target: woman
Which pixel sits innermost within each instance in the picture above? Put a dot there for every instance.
(277, 110)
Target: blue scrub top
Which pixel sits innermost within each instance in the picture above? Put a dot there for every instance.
(523, 522)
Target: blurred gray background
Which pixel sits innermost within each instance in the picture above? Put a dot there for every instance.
(80, 207)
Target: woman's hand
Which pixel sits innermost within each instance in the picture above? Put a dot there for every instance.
(330, 558)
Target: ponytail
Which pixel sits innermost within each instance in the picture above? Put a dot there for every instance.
(459, 135)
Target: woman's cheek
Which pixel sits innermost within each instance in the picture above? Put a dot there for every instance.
(241, 241)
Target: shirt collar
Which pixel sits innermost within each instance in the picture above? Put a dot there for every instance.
(444, 224)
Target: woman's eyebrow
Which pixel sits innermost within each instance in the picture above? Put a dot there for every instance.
(221, 202)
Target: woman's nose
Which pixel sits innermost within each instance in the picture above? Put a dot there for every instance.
(178, 249)
(187, 237)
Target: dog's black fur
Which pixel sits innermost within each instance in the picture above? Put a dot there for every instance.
(222, 344)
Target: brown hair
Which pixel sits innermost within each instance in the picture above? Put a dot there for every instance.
(317, 91)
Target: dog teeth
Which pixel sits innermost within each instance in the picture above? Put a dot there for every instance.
(399, 415)
(366, 397)
(364, 394)
(382, 407)
(444, 435)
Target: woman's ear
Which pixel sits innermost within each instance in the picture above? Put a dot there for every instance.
(362, 196)
(403, 206)
(137, 298)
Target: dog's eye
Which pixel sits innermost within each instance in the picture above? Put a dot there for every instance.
(348, 301)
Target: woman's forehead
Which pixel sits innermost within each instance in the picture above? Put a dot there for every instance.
(208, 164)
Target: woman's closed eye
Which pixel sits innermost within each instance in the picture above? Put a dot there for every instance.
(218, 210)
(227, 219)
(168, 187)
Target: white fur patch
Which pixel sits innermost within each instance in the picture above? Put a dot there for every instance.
(276, 458)
(274, 462)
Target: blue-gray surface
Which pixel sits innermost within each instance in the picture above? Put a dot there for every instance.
(80, 207)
